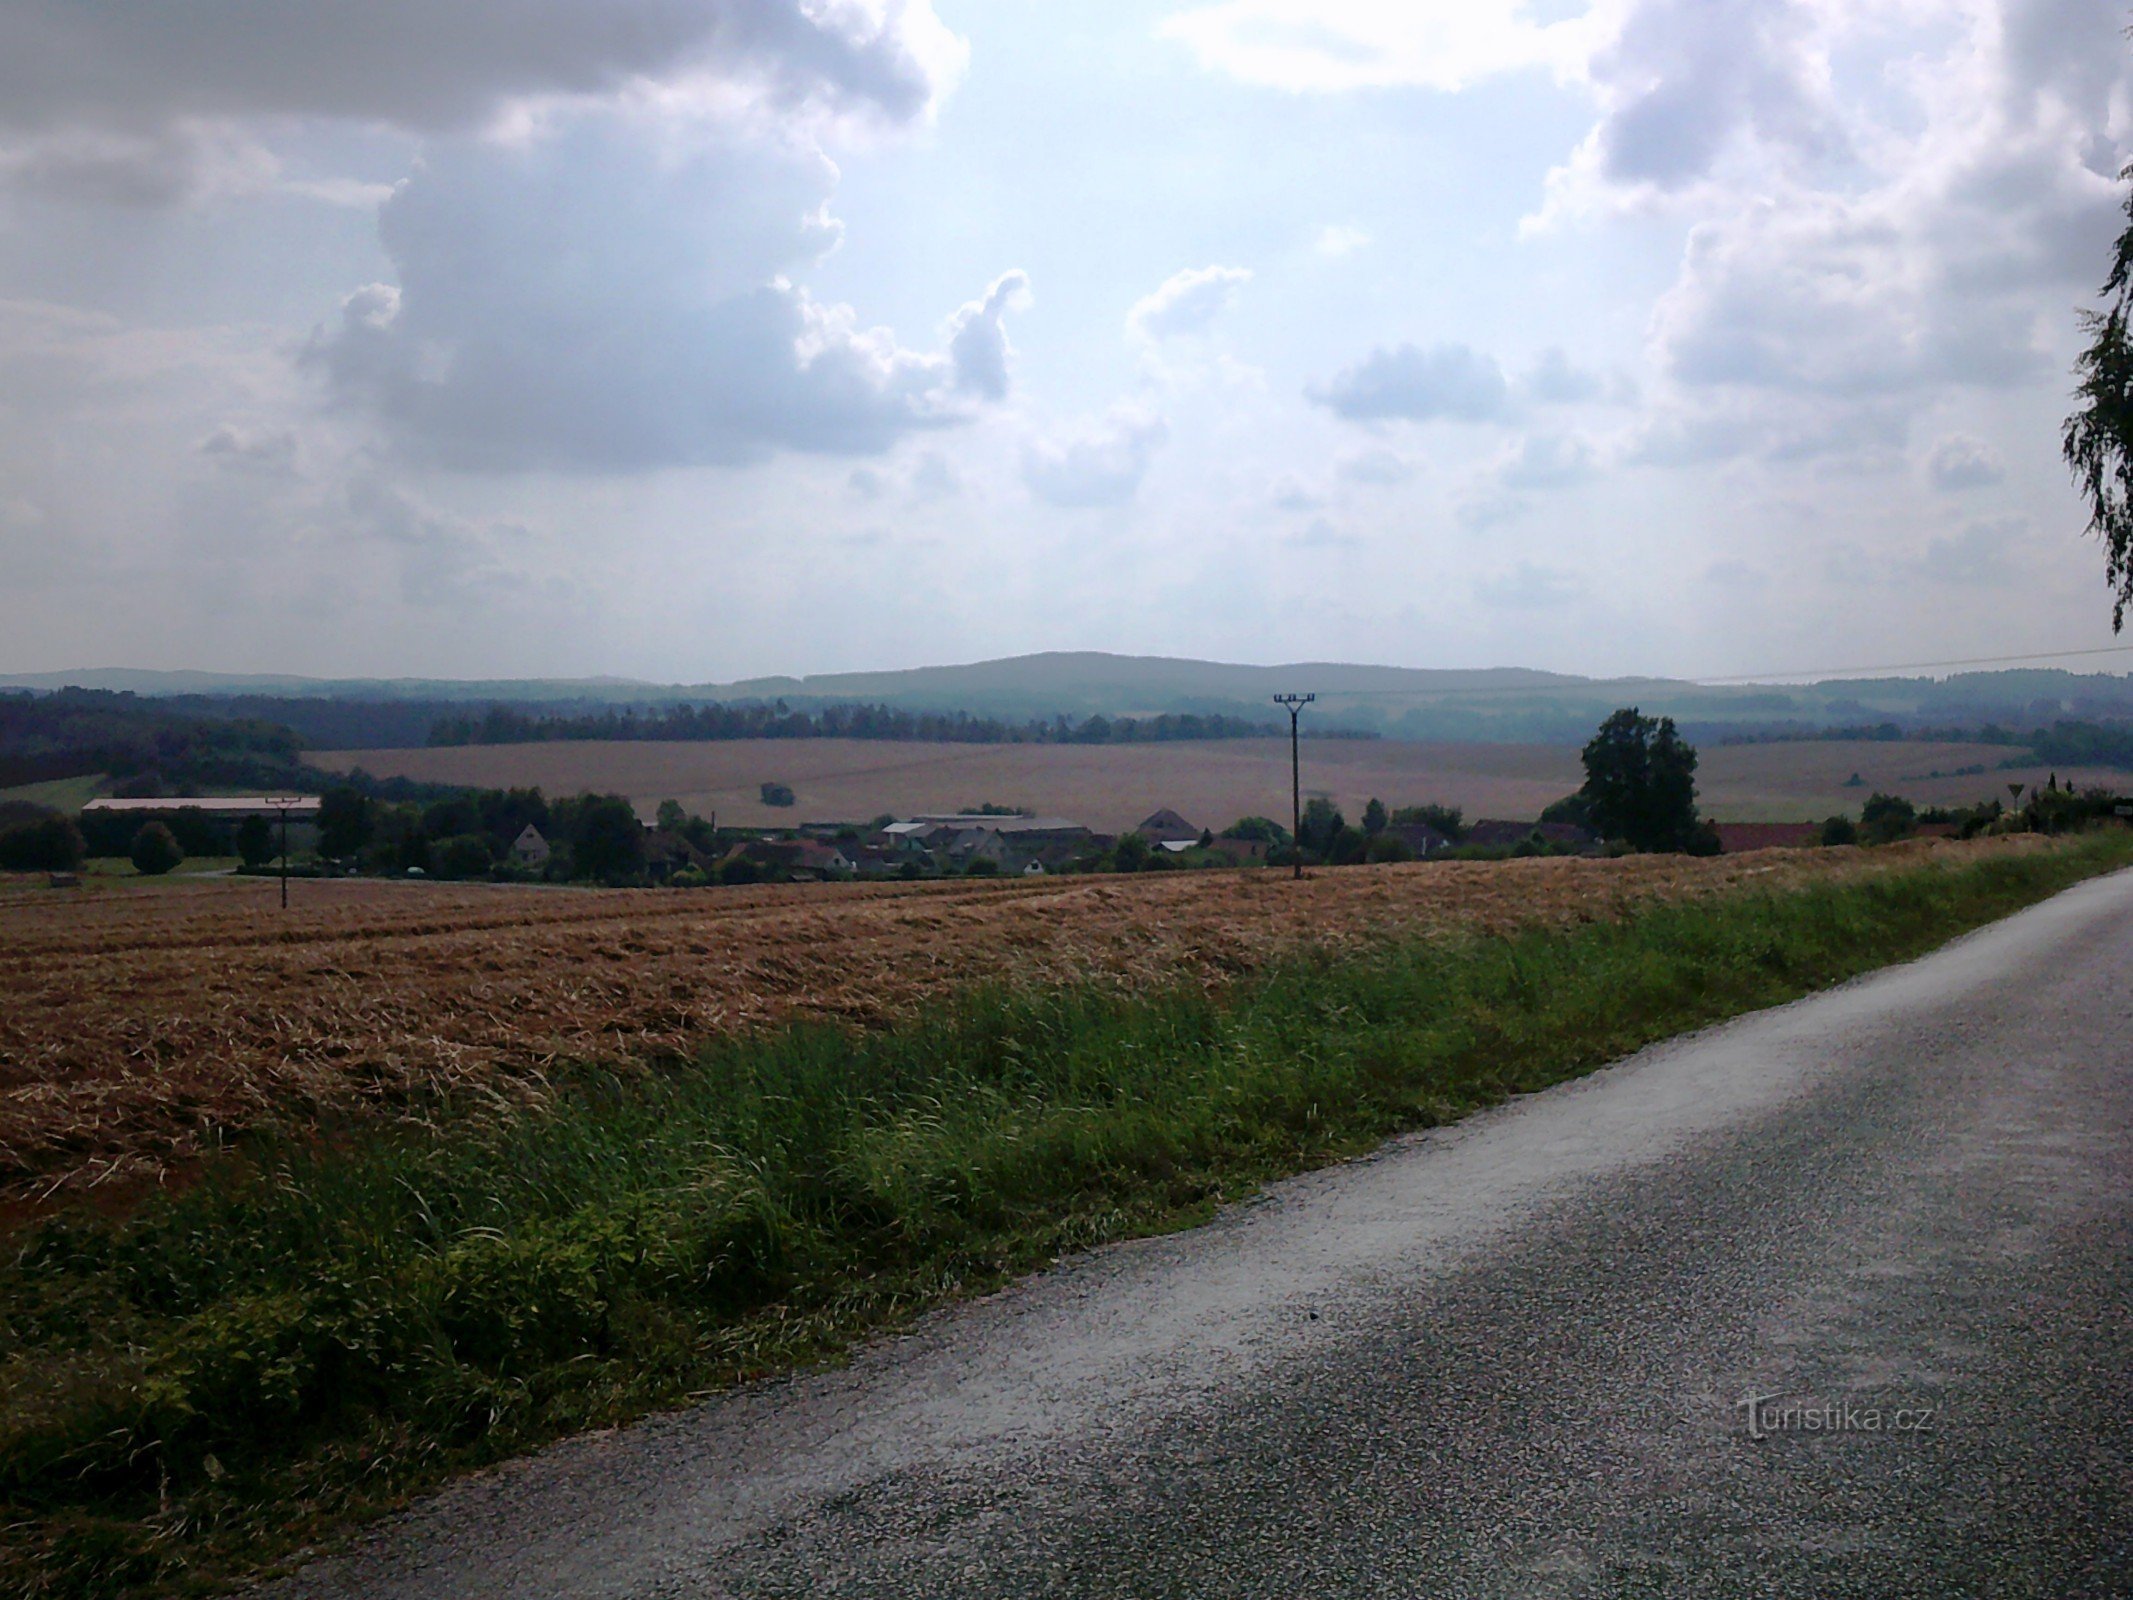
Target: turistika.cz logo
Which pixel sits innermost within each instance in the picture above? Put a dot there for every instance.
(1772, 1414)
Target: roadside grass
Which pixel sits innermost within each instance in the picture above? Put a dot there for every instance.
(313, 1332)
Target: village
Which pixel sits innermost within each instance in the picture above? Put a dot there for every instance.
(517, 837)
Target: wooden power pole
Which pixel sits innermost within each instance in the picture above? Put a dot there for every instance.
(1295, 704)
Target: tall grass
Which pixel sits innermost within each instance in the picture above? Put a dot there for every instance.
(314, 1331)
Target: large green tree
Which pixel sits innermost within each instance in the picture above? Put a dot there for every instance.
(255, 841)
(346, 822)
(1640, 782)
(2098, 437)
(155, 851)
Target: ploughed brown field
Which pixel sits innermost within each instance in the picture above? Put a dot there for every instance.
(147, 1022)
(1210, 782)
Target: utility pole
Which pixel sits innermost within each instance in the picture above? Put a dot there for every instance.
(281, 808)
(1295, 703)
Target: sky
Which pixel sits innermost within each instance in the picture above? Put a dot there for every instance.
(693, 340)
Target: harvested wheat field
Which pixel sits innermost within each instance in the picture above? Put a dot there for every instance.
(145, 1025)
(1211, 781)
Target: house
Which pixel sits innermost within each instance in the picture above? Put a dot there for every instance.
(1421, 839)
(1167, 827)
(801, 858)
(821, 860)
(974, 844)
(1494, 833)
(667, 852)
(1007, 840)
(1735, 837)
(529, 849)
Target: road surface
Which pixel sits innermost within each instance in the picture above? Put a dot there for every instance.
(1504, 1359)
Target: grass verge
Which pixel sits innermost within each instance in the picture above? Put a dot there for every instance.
(312, 1332)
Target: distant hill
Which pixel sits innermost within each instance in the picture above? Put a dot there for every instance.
(1497, 705)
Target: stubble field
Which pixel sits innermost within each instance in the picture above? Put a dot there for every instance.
(148, 1024)
(1211, 782)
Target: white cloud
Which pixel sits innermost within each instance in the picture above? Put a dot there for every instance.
(1960, 462)
(977, 337)
(1487, 511)
(1098, 465)
(1334, 45)
(444, 560)
(1336, 240)
(1186, 302)
(1978, 553)
(1321, 534)
(1527, 587)
(1405, 381)
(263, 450)
(1547, 461)
(934, 479)
(1886, 201)
(1555, 380)
(588, 304)
(1290, 493)
(1380, 468)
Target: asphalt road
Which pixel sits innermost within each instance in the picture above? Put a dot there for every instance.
(1508, 1358)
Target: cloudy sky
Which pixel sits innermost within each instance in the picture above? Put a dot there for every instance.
(695, 339)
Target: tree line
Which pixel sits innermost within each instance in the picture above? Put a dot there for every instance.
(145, 745)
(503, 724)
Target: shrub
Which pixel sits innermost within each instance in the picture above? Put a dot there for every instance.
(50, 844)
(1839, 830)
(737, 870)
(464, 855)
(155, 851)
(255, 841)
(1886, 818)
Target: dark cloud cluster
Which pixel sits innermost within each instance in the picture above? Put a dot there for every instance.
(131, 98)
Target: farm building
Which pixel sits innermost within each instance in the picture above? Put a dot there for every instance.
(803, 858)
(1421, 839)
(530, 849)
(1166, 827)
(301, 811)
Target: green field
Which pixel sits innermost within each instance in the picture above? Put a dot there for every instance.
(191, 866)
(313, 1332)
(60, 794)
